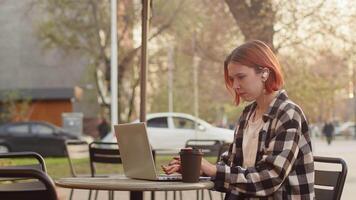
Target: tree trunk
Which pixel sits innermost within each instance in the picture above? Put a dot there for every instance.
(255, 18)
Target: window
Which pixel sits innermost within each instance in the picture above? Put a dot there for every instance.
(20, 129)
(39, 129)
(183, 123)
(159, 122)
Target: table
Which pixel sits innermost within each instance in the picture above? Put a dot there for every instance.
(122, 183)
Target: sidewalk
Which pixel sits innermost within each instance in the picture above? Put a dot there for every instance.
(345, 149)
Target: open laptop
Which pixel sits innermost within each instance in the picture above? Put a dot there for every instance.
(136, 153)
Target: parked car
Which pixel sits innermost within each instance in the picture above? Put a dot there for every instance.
(41, 137)
(346, 129)
(172, 130)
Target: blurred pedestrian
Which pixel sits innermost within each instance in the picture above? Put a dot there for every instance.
(103, 128)
(328, 131)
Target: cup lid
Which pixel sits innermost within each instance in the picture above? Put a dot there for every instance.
(190, 150)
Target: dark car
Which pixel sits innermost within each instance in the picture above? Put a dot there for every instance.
(41, 137)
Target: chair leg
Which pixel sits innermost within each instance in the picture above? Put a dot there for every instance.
(174, 195)
(152, 195)
(96, 194)
(111, 195)
(89, 197)
(202, 194)
(165, 195)
(197, 194)
(181, 195)
(71, 194)
(210, 195)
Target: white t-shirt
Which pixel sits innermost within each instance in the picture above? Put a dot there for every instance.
(250, 142)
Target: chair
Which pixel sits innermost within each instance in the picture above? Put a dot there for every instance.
(210, 148)
(16, 182)
(42, 189)
(104, 153)
(223, 152)
(329, 182)
(40, 165)
(77, 150)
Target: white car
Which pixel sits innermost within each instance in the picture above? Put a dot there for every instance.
(346, 129)
(172, 130)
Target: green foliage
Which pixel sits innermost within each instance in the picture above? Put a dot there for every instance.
(207, 30)
(314, 84)
(14, 107)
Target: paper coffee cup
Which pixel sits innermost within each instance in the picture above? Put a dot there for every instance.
(190, 164)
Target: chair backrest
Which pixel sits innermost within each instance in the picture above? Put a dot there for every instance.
(223, 152)
(40, 165)
(27, 190)
(76, 149)
(208, 147)
(103, 152)
(329, 180)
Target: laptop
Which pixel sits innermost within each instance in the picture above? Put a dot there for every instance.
(136, 153)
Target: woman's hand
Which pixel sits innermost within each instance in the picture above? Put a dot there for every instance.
(208, 168)
(173, 166)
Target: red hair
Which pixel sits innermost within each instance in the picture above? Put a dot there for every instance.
(257, 55)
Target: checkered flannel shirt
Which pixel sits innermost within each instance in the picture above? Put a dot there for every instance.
(284, 167)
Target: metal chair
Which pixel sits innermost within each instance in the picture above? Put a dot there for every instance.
(329, 182)
(104, 153)
(16, 182)
(210, 148)
(40, 163)
(43, 188)
(77, 149)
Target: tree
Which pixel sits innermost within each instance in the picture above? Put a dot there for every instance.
(294, 29)
(84, 26)
(256, 19)
(14, 107)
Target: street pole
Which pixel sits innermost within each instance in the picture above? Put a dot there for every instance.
(113, 64)
(354, 93)
(196, 88)
(170, 77)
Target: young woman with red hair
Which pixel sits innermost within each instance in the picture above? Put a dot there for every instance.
(271, 156)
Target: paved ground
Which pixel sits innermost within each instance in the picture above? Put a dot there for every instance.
(345, 149)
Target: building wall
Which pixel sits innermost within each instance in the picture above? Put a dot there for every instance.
(50, 111)
(26, 64)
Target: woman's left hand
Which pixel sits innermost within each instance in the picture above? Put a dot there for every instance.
(173, 166)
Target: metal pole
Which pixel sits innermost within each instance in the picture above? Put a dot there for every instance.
(113, 63)
(170, 78)
(196, 88)
(354, 93)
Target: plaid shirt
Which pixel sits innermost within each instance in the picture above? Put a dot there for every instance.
(284, 166)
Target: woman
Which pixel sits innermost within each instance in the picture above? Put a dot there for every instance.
(271, 156)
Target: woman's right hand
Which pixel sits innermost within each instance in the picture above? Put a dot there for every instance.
(173, 166)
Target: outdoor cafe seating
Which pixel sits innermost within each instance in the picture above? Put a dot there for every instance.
(28, 182)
